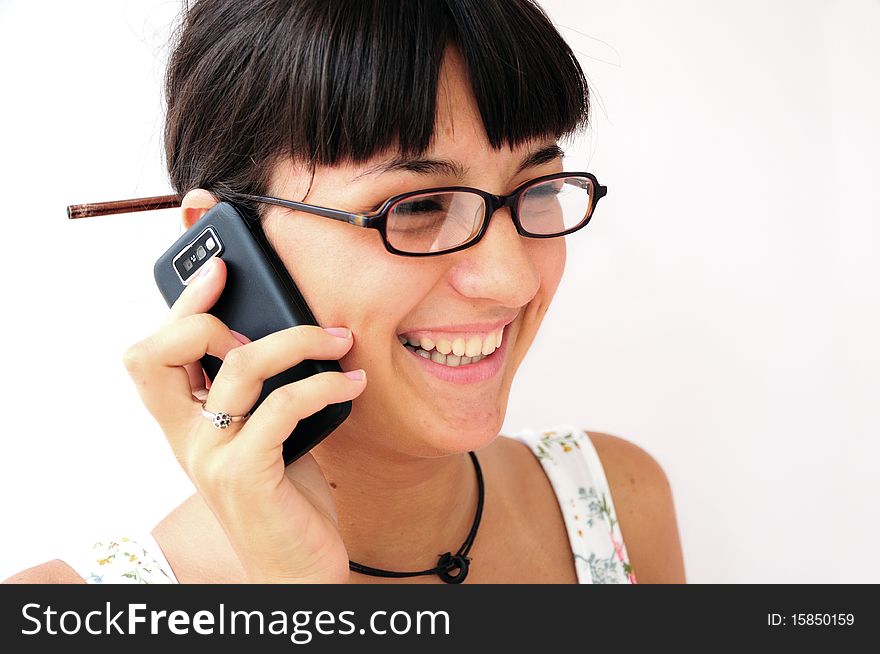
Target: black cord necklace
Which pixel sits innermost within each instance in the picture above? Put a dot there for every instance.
(451, 568)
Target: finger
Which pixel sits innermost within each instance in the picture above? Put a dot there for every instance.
(202, 291)
(277, 416)
(239, 382)
(198, 378)
(156, 364)
(199, 296)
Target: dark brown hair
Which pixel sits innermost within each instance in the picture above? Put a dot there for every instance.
(326, 81)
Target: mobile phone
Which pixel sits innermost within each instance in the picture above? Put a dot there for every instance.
(259, 298)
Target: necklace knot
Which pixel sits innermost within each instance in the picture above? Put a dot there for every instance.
(453, 567)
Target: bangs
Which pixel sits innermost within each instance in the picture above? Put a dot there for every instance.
(369, 80)
(329, 81)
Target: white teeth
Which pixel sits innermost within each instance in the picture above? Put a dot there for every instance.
(456, 352)
(450, 360)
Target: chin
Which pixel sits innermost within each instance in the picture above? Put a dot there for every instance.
(446, 436)
(470, 427)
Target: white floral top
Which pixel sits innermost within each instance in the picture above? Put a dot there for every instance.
(576, 474)
(567, 455)
(122, 561)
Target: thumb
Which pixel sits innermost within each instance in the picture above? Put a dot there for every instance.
(202, 291)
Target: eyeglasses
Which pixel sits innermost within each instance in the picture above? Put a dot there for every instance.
(442, 220)
(435, 221)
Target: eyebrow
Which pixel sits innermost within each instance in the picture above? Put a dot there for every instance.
(450, 168)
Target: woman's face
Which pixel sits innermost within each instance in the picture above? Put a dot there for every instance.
(505, 282)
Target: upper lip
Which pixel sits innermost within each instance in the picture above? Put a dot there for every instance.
(462, 328)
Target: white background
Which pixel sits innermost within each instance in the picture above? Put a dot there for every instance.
(721, 310)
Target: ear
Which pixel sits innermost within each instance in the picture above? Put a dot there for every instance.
(194, 205)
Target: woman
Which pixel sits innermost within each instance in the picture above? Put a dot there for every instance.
(344, 104)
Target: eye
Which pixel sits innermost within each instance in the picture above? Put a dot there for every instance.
(547, 190)
(419, 206)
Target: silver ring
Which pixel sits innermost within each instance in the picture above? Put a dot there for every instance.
(221, 419)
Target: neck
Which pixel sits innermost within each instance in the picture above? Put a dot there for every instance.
(397, 511)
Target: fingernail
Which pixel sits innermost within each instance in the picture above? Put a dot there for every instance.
(341, 332)
(207, 267)
(357, 375)
(244, 340)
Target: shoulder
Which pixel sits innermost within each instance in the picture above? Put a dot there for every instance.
(192, 549)
(645, 509)
(50, 572)
(196, 546)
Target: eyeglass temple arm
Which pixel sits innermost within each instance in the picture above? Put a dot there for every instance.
(601, 191)
(361, 220)
(93, 209)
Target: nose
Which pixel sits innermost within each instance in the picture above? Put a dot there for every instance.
(500, 267)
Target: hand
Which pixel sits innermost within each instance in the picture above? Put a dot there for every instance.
(280, 521)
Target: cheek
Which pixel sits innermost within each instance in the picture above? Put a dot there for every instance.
(549, 259)
(344, 274)
(320, 262)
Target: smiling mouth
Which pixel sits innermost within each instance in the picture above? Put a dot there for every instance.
(443, 351)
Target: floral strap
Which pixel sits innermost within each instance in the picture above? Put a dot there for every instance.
(123, 561)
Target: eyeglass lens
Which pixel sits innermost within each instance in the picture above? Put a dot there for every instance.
(434, 222)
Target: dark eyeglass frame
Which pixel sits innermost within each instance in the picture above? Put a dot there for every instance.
(375, 220)
(378, 219)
